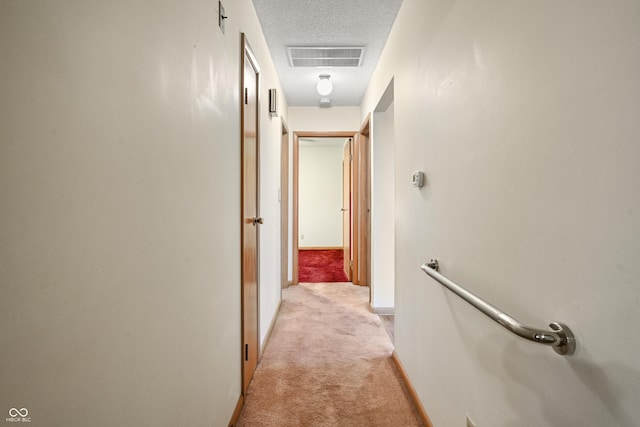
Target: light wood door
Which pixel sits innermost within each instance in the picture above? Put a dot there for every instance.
(346, 207)
(250, 215)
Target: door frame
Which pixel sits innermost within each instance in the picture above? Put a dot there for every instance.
(247, 52)
(345, 210)
(295, 196)
(364, 202)
(284, 206)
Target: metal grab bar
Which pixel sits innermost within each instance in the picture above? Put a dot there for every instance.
(559, 336)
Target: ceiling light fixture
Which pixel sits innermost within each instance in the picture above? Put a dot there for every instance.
(324, 86)
(325, 102)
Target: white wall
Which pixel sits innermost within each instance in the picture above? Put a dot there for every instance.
(524, 116)
(320, 194)
(119, 222)
(383, 206)
(324, 119)
(270, 158)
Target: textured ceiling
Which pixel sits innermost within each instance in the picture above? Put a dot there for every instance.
(326, 23)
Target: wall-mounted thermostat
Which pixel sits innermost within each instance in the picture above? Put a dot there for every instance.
(417, 179)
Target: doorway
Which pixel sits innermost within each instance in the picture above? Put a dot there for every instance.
(350, 212)
(383, 204)
(321, 255)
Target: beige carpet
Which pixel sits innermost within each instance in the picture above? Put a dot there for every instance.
(327, 364)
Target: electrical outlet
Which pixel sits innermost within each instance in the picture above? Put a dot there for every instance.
(302, 237)
(470, 422)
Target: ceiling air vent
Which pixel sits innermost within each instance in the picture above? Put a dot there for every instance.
(339, 56)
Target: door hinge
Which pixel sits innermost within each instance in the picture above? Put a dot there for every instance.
(246, 95)
(246, 352)
(351, 157)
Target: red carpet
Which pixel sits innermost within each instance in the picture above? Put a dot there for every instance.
(321, 266)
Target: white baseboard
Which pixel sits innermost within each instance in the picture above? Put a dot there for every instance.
(382, 310)
(268, 335)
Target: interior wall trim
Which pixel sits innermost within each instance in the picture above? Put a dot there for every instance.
(389, 311)
(236, 412)
(412, 391)
(268, 336)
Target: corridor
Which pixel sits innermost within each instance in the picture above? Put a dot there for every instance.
(327, 363)
(122, 221)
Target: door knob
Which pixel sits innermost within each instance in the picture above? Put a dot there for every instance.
(258, 220)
